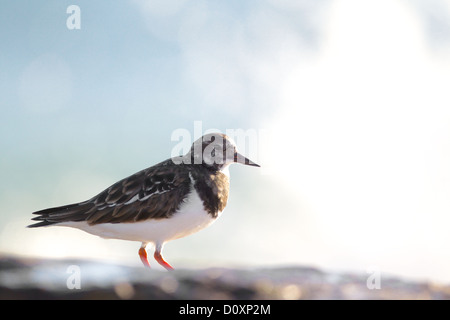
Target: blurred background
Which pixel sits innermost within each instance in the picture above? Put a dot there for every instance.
(349, 100)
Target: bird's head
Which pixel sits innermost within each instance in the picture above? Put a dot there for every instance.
(216, 151)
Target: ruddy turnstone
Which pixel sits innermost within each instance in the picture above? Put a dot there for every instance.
(167, 201)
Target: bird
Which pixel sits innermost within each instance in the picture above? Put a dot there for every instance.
(170, 200)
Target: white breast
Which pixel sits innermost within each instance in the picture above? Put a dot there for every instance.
(190, 218)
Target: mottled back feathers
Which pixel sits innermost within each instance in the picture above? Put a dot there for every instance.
(153, 193)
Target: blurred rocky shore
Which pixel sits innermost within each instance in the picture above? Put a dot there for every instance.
(26, 278)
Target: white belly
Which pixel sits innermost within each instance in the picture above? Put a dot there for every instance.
(191, 218)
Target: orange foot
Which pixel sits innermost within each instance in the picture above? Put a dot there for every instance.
(161, 261)
(143, 256)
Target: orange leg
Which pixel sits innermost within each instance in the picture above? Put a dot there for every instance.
(143, 256)
(158, 257)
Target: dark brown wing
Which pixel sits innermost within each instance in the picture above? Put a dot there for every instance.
(153, 193)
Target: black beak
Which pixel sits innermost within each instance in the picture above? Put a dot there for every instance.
(239, 158)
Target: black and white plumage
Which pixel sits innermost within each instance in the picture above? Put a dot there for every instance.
(167, 201)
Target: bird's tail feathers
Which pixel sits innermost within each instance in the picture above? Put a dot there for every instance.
(51, 216)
